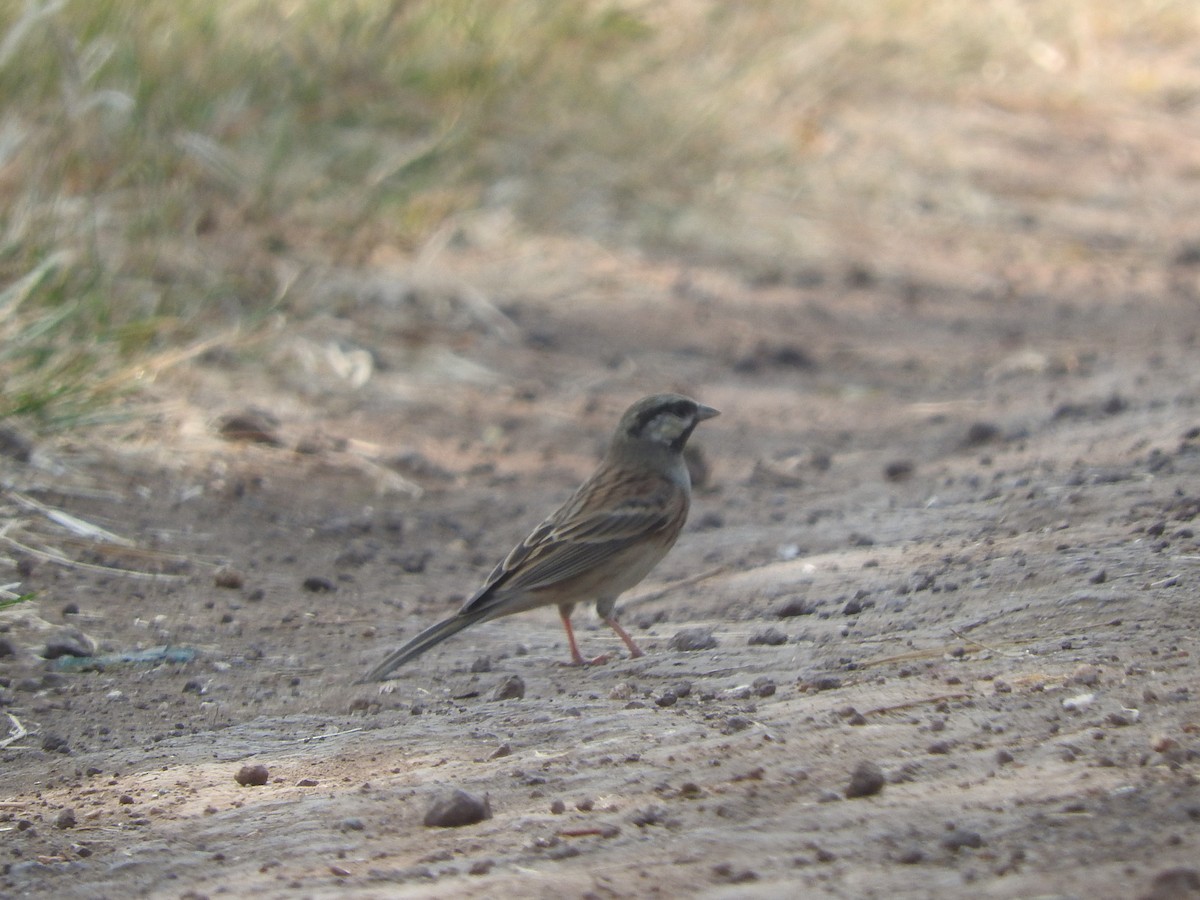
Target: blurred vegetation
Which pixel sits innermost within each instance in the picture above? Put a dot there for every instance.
(162, 163)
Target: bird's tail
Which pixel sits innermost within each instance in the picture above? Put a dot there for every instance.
(432, 635)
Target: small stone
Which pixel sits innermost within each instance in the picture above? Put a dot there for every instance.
(229, 578)
(1085, 674)
(866, 779)
(727, 873)
(962, 837)
(650, 815)
(557, 808)
(899, 470)
(65, 819)
(939, 748)
(770, 636)
(763, 686)
(251, 424)
(55, 743)
(481, 867)
(692, 639)
(795, 606)
(318, 584)
(1163, 744)
(1003, 757)
(622, 690)
(353, 824)
(339, 871)
(500, 752)
(666, 698)
(981, 433)
(69, 642)
(454, 808)
(1079, 702)
(511, 688)
(1174, 884)
(735, 724)
(252, 776)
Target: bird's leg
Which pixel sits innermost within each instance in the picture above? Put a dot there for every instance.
(564, 611)
(634, 650)
(577, 659)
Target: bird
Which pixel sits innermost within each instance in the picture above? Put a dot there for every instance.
(602, 541)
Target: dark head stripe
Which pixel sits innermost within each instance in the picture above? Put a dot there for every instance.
(682, 408)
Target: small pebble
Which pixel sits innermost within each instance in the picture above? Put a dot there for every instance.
(736, 723)
(1174, 884)
(230, 579)
(692, 639)
(962, 837)
(65, 819)
(454, 807)
(796, 606)
(511, 688)
(69, 641)
(866, 779)
(53, 743)
(256, 775)
(763, 686)
(770, 636)
(727, 873)
(622, 690)
(1079, 702)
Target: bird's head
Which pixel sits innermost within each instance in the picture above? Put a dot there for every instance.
(662, 420)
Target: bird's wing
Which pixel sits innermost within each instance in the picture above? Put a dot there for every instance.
(577, 538)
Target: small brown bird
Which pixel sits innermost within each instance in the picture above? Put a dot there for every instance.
(601, 542)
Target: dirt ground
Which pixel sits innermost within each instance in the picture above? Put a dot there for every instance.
(948, 530)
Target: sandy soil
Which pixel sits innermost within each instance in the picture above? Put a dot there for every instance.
(948, 530)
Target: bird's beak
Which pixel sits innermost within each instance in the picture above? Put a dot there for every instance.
(705, 412)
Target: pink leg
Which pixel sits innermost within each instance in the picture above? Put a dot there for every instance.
(577, 657)
(634, 650)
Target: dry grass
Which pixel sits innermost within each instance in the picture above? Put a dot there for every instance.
(167, 169)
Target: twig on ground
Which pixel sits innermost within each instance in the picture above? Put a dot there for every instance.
(15, 733)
